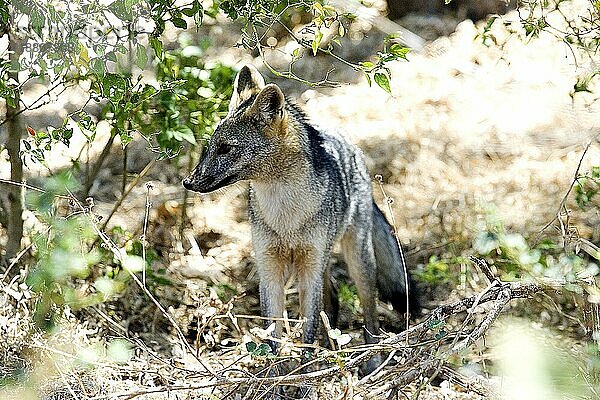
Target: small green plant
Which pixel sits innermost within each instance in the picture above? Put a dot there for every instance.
(515, 259)
(226, 292)
(438, 327)
(68, 270)
(261, 351)
(348, 296)
(587, 187)
(378, 69)
(61, 253)
(435, 272)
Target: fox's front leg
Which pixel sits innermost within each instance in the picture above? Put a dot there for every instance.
(271, 272)
(310, 265)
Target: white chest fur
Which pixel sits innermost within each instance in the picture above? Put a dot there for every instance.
(285, 207)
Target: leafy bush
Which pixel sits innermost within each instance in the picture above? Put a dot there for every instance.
(190, 111)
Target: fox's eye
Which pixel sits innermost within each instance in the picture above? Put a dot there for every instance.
(224, 148)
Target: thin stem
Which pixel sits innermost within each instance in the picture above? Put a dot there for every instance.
(143, 238)
(566, 196)
(127, 191)
(388, 200)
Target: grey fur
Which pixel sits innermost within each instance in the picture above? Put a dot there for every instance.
(309, 188)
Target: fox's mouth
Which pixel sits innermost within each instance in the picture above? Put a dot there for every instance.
(208, 184)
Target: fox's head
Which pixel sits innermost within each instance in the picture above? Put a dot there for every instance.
(254, 140)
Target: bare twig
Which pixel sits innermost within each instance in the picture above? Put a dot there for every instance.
(129, 189)
(484, 267)
(566, 196)
(389, 201)
(143, 238)
(95, 170)
(17, 258)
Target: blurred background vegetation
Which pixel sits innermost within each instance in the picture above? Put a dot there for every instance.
(481, 117)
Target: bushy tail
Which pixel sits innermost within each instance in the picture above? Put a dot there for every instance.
(391, 267)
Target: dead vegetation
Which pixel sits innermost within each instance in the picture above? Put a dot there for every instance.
(469, 126)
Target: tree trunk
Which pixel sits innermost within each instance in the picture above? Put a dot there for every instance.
(15, 130)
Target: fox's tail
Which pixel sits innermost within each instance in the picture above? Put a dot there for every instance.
(391, 269)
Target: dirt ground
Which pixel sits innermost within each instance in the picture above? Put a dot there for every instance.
(469, 128)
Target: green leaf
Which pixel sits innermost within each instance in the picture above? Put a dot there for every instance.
(157, 46)
(229, 9)
(37, 21)
(190, 12)
(490, 22)
(263, 350)
(66, 135)
(368, 77)
(435, 324)
(113, 87)
(367, 64)
(182, 133)
(4, 14)
(111, 56)
(316, 41)
(159, 27)
(179, 23)
(97, 66)
(440, 335)
(198, 17)
(399, 50)
(392, 36)
(383, 81)
(485, 242)
(120, 48)
(251, 346)
(318, 7)
(125, 137)
(582, 84)
(84, 57)
(141, 56)
(122, 9)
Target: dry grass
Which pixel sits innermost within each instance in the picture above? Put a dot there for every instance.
(469, 126)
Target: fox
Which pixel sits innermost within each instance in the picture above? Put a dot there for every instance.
(308, 190)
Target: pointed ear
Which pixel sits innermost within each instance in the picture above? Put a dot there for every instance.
(269, 104)
(247, 82)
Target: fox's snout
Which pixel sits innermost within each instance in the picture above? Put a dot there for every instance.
(199, 180)
(197, 183)
(208, 183)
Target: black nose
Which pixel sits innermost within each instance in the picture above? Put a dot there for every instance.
(187, 183)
